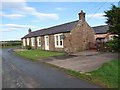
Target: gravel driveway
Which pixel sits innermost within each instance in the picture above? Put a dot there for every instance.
(84, 61)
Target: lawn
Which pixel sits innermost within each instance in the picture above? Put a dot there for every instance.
(37, 54)
(106, 76)
(9, 46)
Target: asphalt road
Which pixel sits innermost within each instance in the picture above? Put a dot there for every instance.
(22, 73)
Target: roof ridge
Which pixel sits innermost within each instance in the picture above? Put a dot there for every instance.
(100, 26)
(56, 26)
(65, 27)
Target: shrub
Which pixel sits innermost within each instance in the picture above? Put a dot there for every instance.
(28, 47)
(114, 44)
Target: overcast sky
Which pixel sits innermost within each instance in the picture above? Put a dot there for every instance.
(18, 16)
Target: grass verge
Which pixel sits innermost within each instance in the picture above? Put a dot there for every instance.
(2, 47)
(37, 54)
(106, 76)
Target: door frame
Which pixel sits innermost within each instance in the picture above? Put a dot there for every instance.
(46, 42)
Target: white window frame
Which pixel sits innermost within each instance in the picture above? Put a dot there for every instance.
(39, 41)
(58, 46)
(28, 41)
(32, 41)
(24, 43)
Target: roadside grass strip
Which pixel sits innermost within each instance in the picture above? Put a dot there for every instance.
(37, 54)
(106, 76)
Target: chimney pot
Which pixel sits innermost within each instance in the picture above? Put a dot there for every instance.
(29, 30)
(82, 16)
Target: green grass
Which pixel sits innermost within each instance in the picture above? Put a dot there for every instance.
(37, 54)
(106, 76)
(9, 46)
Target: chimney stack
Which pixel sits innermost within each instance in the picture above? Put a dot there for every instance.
(82, 15)
(29, 30)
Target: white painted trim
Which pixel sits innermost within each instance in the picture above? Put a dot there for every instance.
(46, 42)
(58, 46)
(39, 38)
(32, 41)
(24, 44)
(28, 41)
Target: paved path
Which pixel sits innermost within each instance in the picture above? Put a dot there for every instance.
(84, 61)
(22, 73)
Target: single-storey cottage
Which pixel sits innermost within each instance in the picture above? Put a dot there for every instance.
(69, 37)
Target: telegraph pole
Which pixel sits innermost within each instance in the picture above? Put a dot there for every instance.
(119, 4)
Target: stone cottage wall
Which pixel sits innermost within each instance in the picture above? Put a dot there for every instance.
(79, 38)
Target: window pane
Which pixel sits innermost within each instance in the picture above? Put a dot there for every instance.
(57, 42)
(61, 37)
(33, 41)
(56, 38)
(61, 43)
(27, 41)
(39, 41)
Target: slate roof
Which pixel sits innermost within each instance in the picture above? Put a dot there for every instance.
(67, 27)
(101, 29)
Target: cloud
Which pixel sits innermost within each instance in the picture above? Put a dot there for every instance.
(96, 16)
(20, 6)
(60, 9)
(17, 26)
(12, 16)
(13, 4)
(11, 27)
(27, 9)
(46, 16)
(7, 29)
(39, 15)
